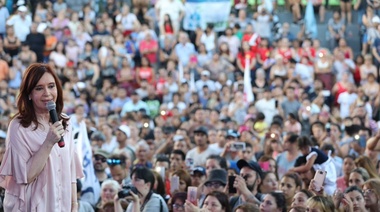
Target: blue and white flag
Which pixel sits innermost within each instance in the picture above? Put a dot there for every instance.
(90, 184)
(199, 13)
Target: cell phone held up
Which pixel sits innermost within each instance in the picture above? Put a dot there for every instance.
(231, 181)
(192, 192)
(319, 179)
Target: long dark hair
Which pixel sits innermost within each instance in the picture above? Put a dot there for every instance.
(25, 106)
(169, 21)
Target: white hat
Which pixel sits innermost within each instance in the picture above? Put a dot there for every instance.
(125, 129)
(22, 9)
(376, 20)
(205, 72)
(20, 3)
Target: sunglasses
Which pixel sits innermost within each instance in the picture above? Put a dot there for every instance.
(100, 158)
(114, 162)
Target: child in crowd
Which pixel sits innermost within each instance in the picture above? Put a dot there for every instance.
(319, 161)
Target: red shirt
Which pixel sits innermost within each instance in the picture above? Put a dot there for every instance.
(146, 73)
(241, 57)
(149, 45)
(264, 53)
(253, 40)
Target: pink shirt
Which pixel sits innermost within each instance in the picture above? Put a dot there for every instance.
(341, 183)
(51, 190)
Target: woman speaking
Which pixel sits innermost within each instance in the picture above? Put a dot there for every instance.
(38, 174)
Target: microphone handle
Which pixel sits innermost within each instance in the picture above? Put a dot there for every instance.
(61, 143)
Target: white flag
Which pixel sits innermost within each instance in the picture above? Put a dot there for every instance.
(192, 82)
(248, 94)
(90, 184)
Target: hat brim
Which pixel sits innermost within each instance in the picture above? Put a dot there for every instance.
(200, 131)
(242, 163)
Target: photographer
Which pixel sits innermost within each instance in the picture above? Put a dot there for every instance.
(141, 194)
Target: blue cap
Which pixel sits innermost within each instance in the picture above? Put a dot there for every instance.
(198, 169)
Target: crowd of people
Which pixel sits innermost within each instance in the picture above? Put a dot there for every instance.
(167, 113)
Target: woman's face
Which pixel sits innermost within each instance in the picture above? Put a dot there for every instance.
(288, 186)
(182, 186)
(108, 193)
(357, 200)
(269, 204)
(45, 91)
(299, 199)
(269, 183)
(140, 184)
(179, 205)
(342, 43)
(142, 153)
(212, 204)
(355, 179)
(211, 164)
(348, 166)
(370, 197)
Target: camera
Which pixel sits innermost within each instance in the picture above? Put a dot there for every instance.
(127, 191)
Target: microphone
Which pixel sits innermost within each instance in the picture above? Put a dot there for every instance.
(54, 118)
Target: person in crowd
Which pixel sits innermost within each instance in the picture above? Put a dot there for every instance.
(269, 183)
(356, 200)
(290, 184)
(100, 165)
(247, 184)
(348, 165)
(320, 203)
(319, 160)
(301, 197)
(371, 191)
(357, 177)
(274, 201)
(108, 191)
(144, 199)
(119, 166)
(40, 85)
(286, 160)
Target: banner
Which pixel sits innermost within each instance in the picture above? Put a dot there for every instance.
(199, 13)
(90, 184)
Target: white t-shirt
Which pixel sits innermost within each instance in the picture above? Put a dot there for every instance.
(345, 100)
(127, 21)
(171, 7)
(200, 158)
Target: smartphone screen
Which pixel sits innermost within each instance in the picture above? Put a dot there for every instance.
(231, 188)
(174, 184)
(192, 195)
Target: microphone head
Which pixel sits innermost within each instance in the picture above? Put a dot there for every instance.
(50, 105)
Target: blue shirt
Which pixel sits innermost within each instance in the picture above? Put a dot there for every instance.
(184, 52)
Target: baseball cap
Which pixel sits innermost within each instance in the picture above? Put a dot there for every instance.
(198, 169)
(98, 136)
(102, 153)
(251, 164)
(232, 133)
(205, 73)
(22, 8)
(217, 175)
(201, 129)
(178, 138)
(125, 129)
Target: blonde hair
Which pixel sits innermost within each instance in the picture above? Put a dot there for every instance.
(366, 163)
(324, 204)
(373, 184)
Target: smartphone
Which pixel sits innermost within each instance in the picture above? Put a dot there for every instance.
(319, 179)
(192, 195)
(189, 163)
(237, 146)
(231, 181)
(276, 103)
(161, 171)
(362, 141)
(174, 184)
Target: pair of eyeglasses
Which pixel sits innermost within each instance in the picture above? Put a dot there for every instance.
(213, 185)
(368, 191)
(99, 158)
(114, 162)
(178, 206)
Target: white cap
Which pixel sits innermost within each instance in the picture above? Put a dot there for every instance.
(20, 2)
(22, 9)
(205, 72)
(376, 20)
(125, 129)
